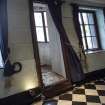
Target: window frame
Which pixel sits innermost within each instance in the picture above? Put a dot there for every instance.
(96, 29)
(44, 27)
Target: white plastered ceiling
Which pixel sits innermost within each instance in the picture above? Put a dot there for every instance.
(88, 2)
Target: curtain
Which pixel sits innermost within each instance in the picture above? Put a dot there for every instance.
(73, 61)
(3, 29)
(76, 22)
(82, 55)
(4, 36)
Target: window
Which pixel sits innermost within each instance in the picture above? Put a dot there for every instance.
(89, 30)
(41, 26)
(1, 61)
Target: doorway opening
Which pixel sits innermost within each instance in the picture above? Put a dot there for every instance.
(49, 46)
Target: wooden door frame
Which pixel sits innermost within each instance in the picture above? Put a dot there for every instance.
(58, 87)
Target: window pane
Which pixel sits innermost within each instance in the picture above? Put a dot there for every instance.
(87, 30)
(45, 18)
(38, 19)
(90, 17)
(40, 34)
(84, 43)
(1, 61)
(94, 42)
(80, 20)
(85, 19)
(47, 34)
(82, 32)
(89, 42)
(93, 31)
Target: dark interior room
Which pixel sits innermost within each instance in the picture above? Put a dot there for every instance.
(52, 52)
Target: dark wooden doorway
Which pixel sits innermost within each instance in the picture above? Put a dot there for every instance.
(55, 89)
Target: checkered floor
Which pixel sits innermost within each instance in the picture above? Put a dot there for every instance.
(92, 93)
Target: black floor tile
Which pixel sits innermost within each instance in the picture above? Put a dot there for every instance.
(100, 83)
(78, 103)
(50, 102)
(95, 99)
(90, 86)
(79, 91)
(66, 97)
(101, 92)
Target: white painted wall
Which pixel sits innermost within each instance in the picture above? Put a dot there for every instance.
(44, 53)
(88, 2)
(20, 43)
(55, 48)
(95, 60)
(101, 26)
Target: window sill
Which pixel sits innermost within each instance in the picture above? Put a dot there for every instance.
(92, 52)
(43, 42)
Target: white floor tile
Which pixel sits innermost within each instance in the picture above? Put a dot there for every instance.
(102, 99)
(100, 87)
(91, 92)
(79, 98)
(63, 102)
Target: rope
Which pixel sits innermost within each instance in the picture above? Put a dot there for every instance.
(5, 62)
(82, 52)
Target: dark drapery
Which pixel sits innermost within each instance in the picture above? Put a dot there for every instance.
(3, 29)
(73, 62)
(4, 36)
(75, 11)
